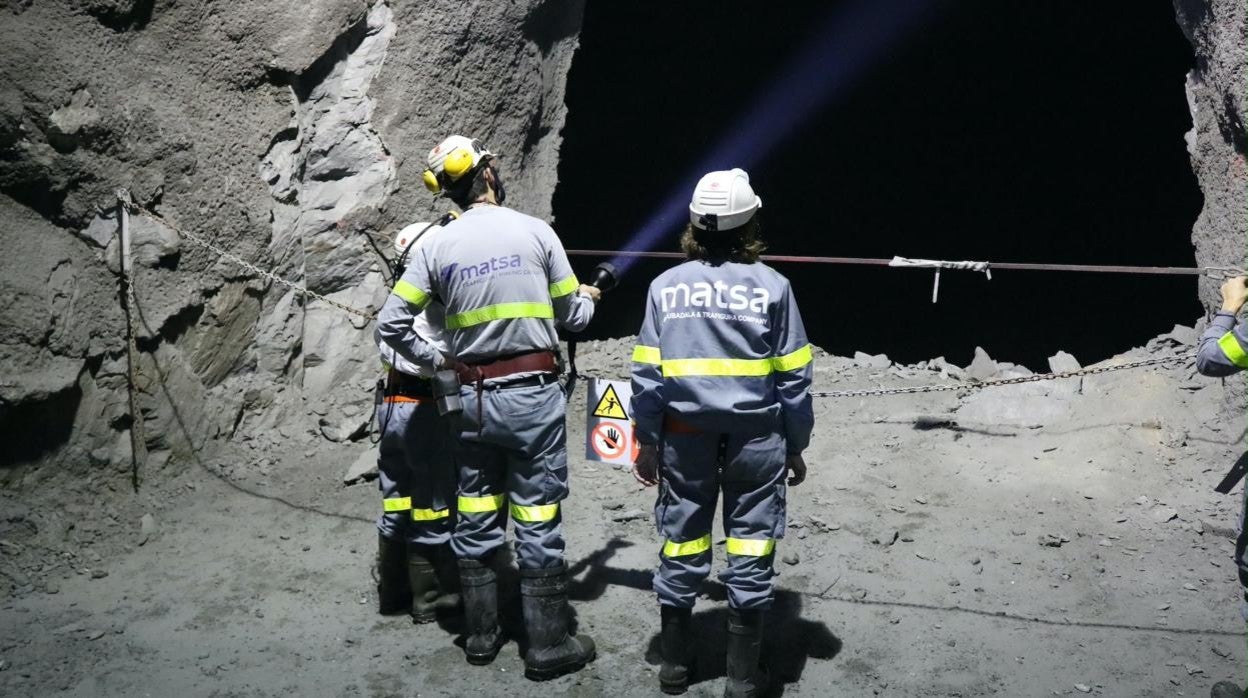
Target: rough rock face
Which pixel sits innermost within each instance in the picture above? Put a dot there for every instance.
(1218, 142)
(289, 133)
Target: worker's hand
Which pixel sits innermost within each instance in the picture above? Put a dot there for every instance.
(594, 293)
(646, 469)
(794, 464)
(1234, 294)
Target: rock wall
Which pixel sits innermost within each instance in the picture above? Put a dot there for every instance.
(291, 133)
(1218, 142)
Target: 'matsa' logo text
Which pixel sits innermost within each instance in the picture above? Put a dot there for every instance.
(717, 295)
(469, 272)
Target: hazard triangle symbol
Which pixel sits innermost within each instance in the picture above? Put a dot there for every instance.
(610, 406)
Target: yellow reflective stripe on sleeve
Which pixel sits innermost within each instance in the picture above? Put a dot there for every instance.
(698, 545)
(536, 514)
(502, 311)
(643, 354)
(480, 505)
(563, 288)
(411, 294)
(675, 368)
(1230, 346)
(747, 546)
(793, 361)
(397, 504)
(429, 514)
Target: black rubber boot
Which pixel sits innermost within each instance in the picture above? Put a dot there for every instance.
(1226, 689)
(480, 593)
(746, 679)
(552, 651)
(449, 601)
(394, 596)
(676, 642)
(423, 580)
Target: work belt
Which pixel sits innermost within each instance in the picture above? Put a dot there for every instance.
(674, 425)
(404, 387)
(543, 363)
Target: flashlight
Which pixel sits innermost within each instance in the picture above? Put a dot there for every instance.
(604, 277)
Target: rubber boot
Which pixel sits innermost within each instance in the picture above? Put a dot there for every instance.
(480, 594)
(394, 596)
(449, 600)
(1226, 689)
(552, 651)
(423, 580)
(676, 643)
(746, 678)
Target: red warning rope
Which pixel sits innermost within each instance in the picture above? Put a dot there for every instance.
(877, 262)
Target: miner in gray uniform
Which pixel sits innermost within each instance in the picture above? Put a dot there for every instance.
(1224, 351)
(416, 474)
(721, 401)
(505, 281)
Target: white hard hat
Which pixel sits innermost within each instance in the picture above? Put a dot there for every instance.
(723, 200)
(451, 159)
(404, 237)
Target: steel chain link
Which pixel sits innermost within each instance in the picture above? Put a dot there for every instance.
(265, 273)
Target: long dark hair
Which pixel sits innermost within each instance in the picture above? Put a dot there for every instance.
(741, 244)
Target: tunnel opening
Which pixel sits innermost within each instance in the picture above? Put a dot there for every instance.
(1007, 132)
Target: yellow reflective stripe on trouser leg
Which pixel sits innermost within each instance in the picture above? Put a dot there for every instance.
(643, 354)
(535, 514)
(794, 360)
(564, 287)
(1230, 346)
(430, 514)
(502, 311)
(480, 505)
(394, 504)
(698, 545)
(749, 546)
(410, 294)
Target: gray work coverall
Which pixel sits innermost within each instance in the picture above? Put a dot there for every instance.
(1224, 351)
(505, 281)
(415, 465)
(721, 379)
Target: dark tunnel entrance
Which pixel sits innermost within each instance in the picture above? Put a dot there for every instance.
(1024, 132)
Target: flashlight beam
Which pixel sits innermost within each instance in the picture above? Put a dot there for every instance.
(877, 262)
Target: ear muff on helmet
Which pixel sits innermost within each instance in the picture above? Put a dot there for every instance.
(457, 163)
(431, 181)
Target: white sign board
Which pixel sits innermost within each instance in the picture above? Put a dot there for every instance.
(609, 428)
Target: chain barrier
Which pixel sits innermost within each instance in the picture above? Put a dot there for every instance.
(979, 385)
(265, 273)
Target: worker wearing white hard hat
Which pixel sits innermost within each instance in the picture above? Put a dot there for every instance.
(721, 402)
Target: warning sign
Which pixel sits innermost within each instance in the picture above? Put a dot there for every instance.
(609, 441)
(609, 405)
(608, 431)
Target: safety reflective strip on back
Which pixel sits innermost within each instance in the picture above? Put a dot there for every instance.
(747, 546)
(397, 504)
(502, 311)
(411, 294)
(479, 505)
(675, 368)
(535, 514)
(430, 514)
(698, 545)
(643, 354)
(794, 360)
(1231, 347)
(564, 287)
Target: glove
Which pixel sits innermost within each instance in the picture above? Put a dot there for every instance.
(646, 469)
(794, 464)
